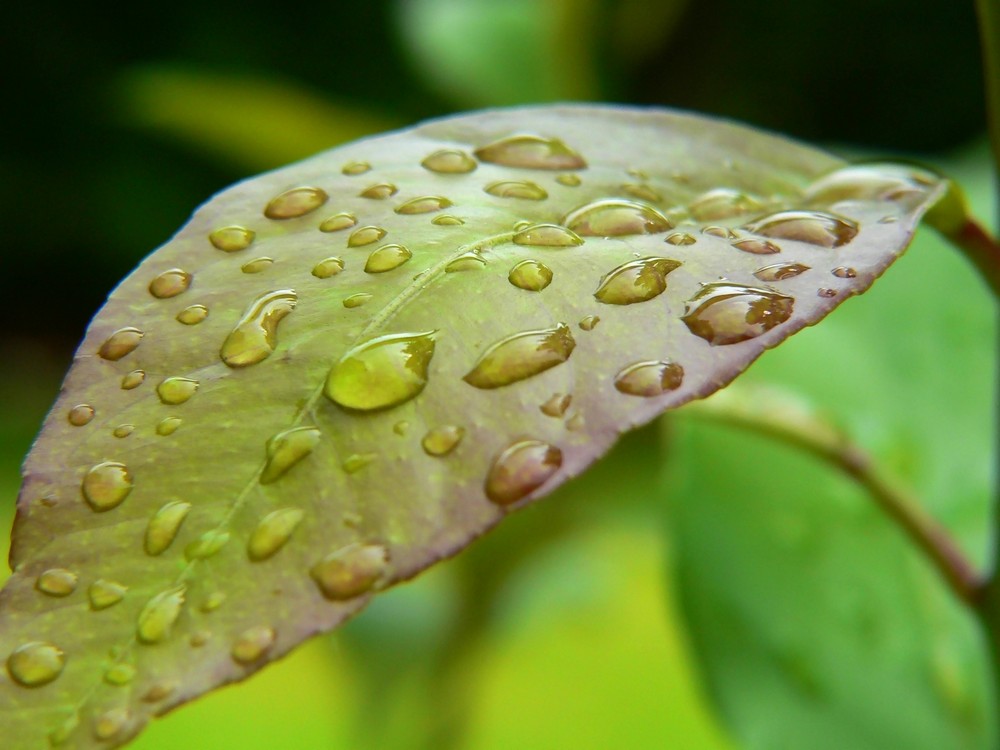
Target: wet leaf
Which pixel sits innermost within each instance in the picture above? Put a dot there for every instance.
(255, 470)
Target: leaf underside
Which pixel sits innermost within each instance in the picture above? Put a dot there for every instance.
(173, 535)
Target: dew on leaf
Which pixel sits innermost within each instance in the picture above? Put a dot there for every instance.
(589, 322)
(232, 239)
(257, 265)
(192, 315)
(272, 532)
(827, 292)
(61, 733)
(120, 343)
(865, 182)
(521, 356)
(470, 261)
(520, 470)
(252, 644)
(530, 275)
(641, 191)
(522, 189)
(57, 582)
(615, 217)
(423, 205)
(123, 430)
(680, 238)
(556, 405)
(383, 372)
(254, 337)
(780, 271)
(164, 525)
(756, 246)
(36, 663)
(531, 152)
(387, 258)
(365, 236)
(295, 203)
(722, 203)
(168, 426)
(812, 227)
(726, 313)
(355, 168)
(442, 440)
(159, 691)
(328, 267)
(80, 415)
(176, 390)
(286, 449)
(207, 545)
(120, 674)
(569, 180)
(213, 601)
(649, 378)
(636, 281)
(111, 723)
(380, 191)
(357, 461)
(106, 485)
(844, 272)
(447, 220)
(356, 300)
(449, 161)
(723, 233)
(547, 235)
(103, 594)
(401, 427)
(157, 618)
(170, 283)
(350, 571)
(337, 222)
(133, 379)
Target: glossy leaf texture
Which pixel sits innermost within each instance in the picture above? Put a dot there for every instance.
(343, 371)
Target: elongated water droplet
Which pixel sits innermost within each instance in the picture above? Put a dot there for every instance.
(193, 315)
(110, 724)
(470, 261)
(681, 238)
(616, 217)
(355, 168)
(36, 663)
(123, 430)
(589, 322)
(157, 618)
(547, 235)
(813, 227)
(557, 405)
(365, 236)
(723, 233)
(641, 191)
(379, 191)
(255, 335)
(207, 545)
(232, 239)
(447, 220)
(520, 470)
(635, 281)
(121, 342)
(756, 246)
(133, 379)
(530, 275)
(170, 283)
(387, 258)
(725, 313)
(57, 582)
(531, 152)
(383, 372)
(866, 182)
(252, 644)
(337, 222)
(357, 461)
(423, 205)
(440, 441)
(520, 356)
(357, 300)
(286, 449)
(843, 272)
(257, 265)
(80, 415)
(522, 189)
(168, 425)
(164, 525)
(350, 571)
(780, 271)
(449, 161)
(174, 391)
(328, 267)
(103, 594)
(569, 180)
(120, 674)
(295, 202)
(649, 378)
(272, 532)
(106, 485)
(722, 203)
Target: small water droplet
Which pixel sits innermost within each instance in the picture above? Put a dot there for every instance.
(722, 203)
(723, 233)
(252, 644)
(470, 261)
(121, 342)
(681, 238)
(286, 449)
(386, 258)
(641, 191)
(199, 638)
(865, 182)
(569, 180)
(725, 313)
(193, 315)
(557, 405)
(36, 663)
(168, 426)
(357, 461)
(328, 267)
(133, 379)
(103, 594)
(257, 265)
(356, 167)
(255, 335)
(272, 532)
(813, 227)
(170, 283)
(206, 545)
(589, 322)
(232, 239)
(575, 423)
(159, 691)
(447, 220)
(379, 191)
(530, 275)
(111, 723)
(521, 356)
(57, 582)
(616, 218)
(337, 222)
(106, 485)
(827, 292)
(756, 246)
(531, 152)
(649, 378)
(295, 203)
(365, 236)
(174, 391)
(383, 372)
(164, 525)
(423, 205)
(123, 430)
(780, 271)
(635, 281)
(213, 601)
(80, 415)
(547, 235)
(449, 161)
(350, 571)
(844, 272)
(440, 441)
(522, 189)
(401, 427)
(120, 674)
(888, 220)
(520, 470)
(157, 618)
(356, 300)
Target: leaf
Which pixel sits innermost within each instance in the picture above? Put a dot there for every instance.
(342, 371)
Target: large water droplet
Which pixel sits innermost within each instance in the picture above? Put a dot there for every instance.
(756, 246)
(423, 205)
(722, 203)
(350, 571)
(649, 378)
(168, 426)
(103, 594)
(866, 182)
(357, 461)
(557, 405)
(255, 335)
(232, 239)
(530, 275)
(36, 663)
(379, 191)
(449, 161)
(133, 379)
(517, 189)
(469, 261)
(286, 449)
(547, 235)
(356, 300)
(520, 356)
(272, 532)
(447, 220)
(531, 152)
(80, 415)
(681, 238)
(257, 265)
(328, 267)
(440, 441)
(170, 283)
(780, 271)
(635, 281)
(121, 342)
(615, 218)
(193, 315)
(106, 485)
(157, 618)
(383, 372)
(355, 168)
(386, 258)
(520, 470)
(252, 644)
(295, 202)
(337, 222)
(164, 525)
(814, 227)
(725, 313)
(365, 236)
(57, 582)
(207, 545)
(111, 723)
(174, 391)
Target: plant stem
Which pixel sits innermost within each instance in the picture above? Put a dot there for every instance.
(981, 249)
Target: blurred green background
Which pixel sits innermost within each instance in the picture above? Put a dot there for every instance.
(702, 588)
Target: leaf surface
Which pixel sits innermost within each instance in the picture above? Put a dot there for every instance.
(342, 371)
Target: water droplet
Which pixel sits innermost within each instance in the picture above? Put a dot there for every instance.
(257, 265)
(725, 313)
(520, 356)
(295, 202)
(157, 618)
(379, 191)
(557, 405)
(635, 281)
(424, 205)
(133, 379)
(168, 426)
(470, 261)
(547, 235)
(616, 218)
(383, 372)
(780, 271)
(199, 638)
(357, 461)
(530, 275)
(576, 423)
(36, 663)
(255, 335)
(569, 180)
(756, 246)
(531, 152)
(365, 236)
(193, 315)
(111, 723)
(440, 441)
(447, 220)
(232, 239)
(356, 167)
(641, 191)
(813, 227)
(103, 594)
(206, 545)
(722, 203)
(449, 161)
(337, 222)
(639, 174)
(401, 427)
(356, 300)
(888, 220)
(723, 233)
(170, 283)
(649, 378)
(286, 449)
(386, 258)
(350, 571)
(272, 532)
(843, 272)
(174, 391)
(213, 601)
(106, 485)
(120, 674)
(164, 525)
(865, 182)
(159, 691)
(827, 292)
(328, 267)
(589, 322)
(57, 582)
(121, 342)
(123, 430)
(516, 189)
(520, 470)
(681, 238)
(252, 644)
(80, 415)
